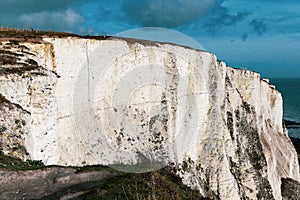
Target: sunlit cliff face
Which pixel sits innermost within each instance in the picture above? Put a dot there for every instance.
(140, 105)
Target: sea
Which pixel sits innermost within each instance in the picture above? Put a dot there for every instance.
(290, 90)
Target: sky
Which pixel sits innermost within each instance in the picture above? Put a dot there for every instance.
(260, 35)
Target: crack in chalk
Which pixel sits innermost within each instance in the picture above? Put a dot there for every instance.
(5, 100)
(88, 71)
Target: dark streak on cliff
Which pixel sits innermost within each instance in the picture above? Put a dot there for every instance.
(246, 126)
(248, 146)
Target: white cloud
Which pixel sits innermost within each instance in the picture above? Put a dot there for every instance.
(61, 20)
(59, 15)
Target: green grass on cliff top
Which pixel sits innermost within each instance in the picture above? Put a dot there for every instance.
(16, 34)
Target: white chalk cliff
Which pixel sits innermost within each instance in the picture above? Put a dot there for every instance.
(82, 101)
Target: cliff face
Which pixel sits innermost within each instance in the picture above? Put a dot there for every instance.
(78, 101)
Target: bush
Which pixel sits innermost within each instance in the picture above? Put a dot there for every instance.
(35, 162)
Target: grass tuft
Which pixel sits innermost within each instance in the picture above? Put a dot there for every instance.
(7, 162)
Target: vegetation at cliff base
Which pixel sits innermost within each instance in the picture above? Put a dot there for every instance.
(7, 162)
(161, 184)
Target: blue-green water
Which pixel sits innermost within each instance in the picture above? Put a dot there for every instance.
(290, 90)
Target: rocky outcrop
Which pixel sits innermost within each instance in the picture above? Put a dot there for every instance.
(115, 101)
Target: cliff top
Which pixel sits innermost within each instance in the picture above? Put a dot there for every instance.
(32, 35)
(29, 34)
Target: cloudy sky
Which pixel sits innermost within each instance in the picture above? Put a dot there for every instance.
(261, 35)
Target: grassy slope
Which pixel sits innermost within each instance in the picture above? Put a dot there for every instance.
(152, 185)
(7, 162)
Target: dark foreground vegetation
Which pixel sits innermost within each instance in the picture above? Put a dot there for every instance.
(32, 180)
(10, 163)
(153, 185)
